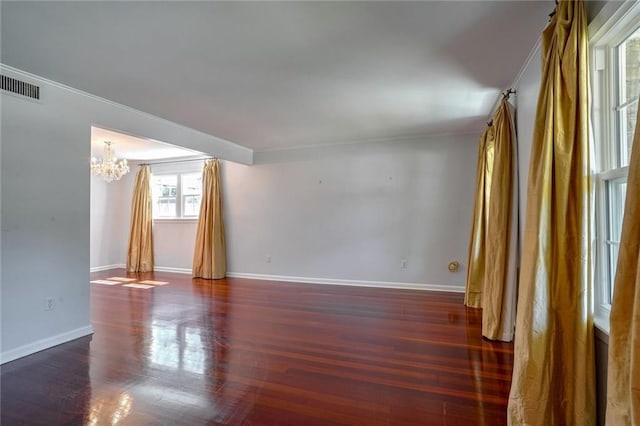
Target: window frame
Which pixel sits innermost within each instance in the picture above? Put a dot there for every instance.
(183, 195)
(606, 34)
(180, 197)
(155, 199)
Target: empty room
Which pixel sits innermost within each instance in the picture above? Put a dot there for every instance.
(319, 212)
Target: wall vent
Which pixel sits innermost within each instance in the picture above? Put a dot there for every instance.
(19, 87)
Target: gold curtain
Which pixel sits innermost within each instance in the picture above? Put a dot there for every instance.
(623, 373)
(553, 372)
(209, 257)
(477, 254)
(140, 251)
(491, 276)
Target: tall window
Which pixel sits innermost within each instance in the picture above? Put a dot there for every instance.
(616, 86)
(177, 195)
(191, 194)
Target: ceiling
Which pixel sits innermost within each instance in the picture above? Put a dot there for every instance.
(133, 148)
(270, 75)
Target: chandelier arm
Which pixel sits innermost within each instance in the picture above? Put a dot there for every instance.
(109, 167)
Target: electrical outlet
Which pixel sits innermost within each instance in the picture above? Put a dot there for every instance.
(48, 304)
(403, 264)
(268, 259)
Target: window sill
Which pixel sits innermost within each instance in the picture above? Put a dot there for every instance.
(602, 325)
(176, 220)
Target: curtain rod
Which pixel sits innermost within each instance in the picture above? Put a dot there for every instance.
(177, 161)
(505, 95)
(553, 12)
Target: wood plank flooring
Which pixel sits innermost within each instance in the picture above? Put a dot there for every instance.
(247, 352)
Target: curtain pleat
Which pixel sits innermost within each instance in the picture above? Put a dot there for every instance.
(477, 256)
(209, 257)
(140, 250)
(492, 275)
(623, 382)
(499, 290)
(553, 372)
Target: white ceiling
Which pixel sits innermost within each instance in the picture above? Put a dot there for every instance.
(270, 75)
(133, 148)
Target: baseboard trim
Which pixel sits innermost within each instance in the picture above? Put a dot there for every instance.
(107, 267)
(43, 344)
(357, 283)
(156, 268)
(174, 270)
(309, 280)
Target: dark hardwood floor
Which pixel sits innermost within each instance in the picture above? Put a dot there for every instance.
(246, 352)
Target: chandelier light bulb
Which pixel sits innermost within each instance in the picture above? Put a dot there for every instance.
(109, 167)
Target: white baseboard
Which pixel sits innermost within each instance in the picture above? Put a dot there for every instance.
(43, 344)
(156, 268)
(174, 270)
(358, 283)
(310, 280)
(107, 267)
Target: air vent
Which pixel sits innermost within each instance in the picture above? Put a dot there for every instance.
(19, 87)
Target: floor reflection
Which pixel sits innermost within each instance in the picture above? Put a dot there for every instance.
(177, 347)
(140, 305)
(156, 356)
(233, 378)
(180, 344)
(236, 352)
(109, 409)
(484, 356)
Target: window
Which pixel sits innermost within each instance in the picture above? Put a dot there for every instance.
(176, 196)
(616, 87)
(191, 193)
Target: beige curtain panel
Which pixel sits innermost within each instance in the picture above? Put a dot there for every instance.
(209, 257)
(140, 251)
(477, 253)
(492, 275)
(553, 372)
(623, 382)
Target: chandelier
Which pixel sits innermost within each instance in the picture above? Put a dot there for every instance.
(109, 167)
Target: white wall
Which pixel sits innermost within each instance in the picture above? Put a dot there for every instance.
(110, 210)
(173, 244)
(352, 212)
(527, 100)
(45, 219)
(45, 206)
